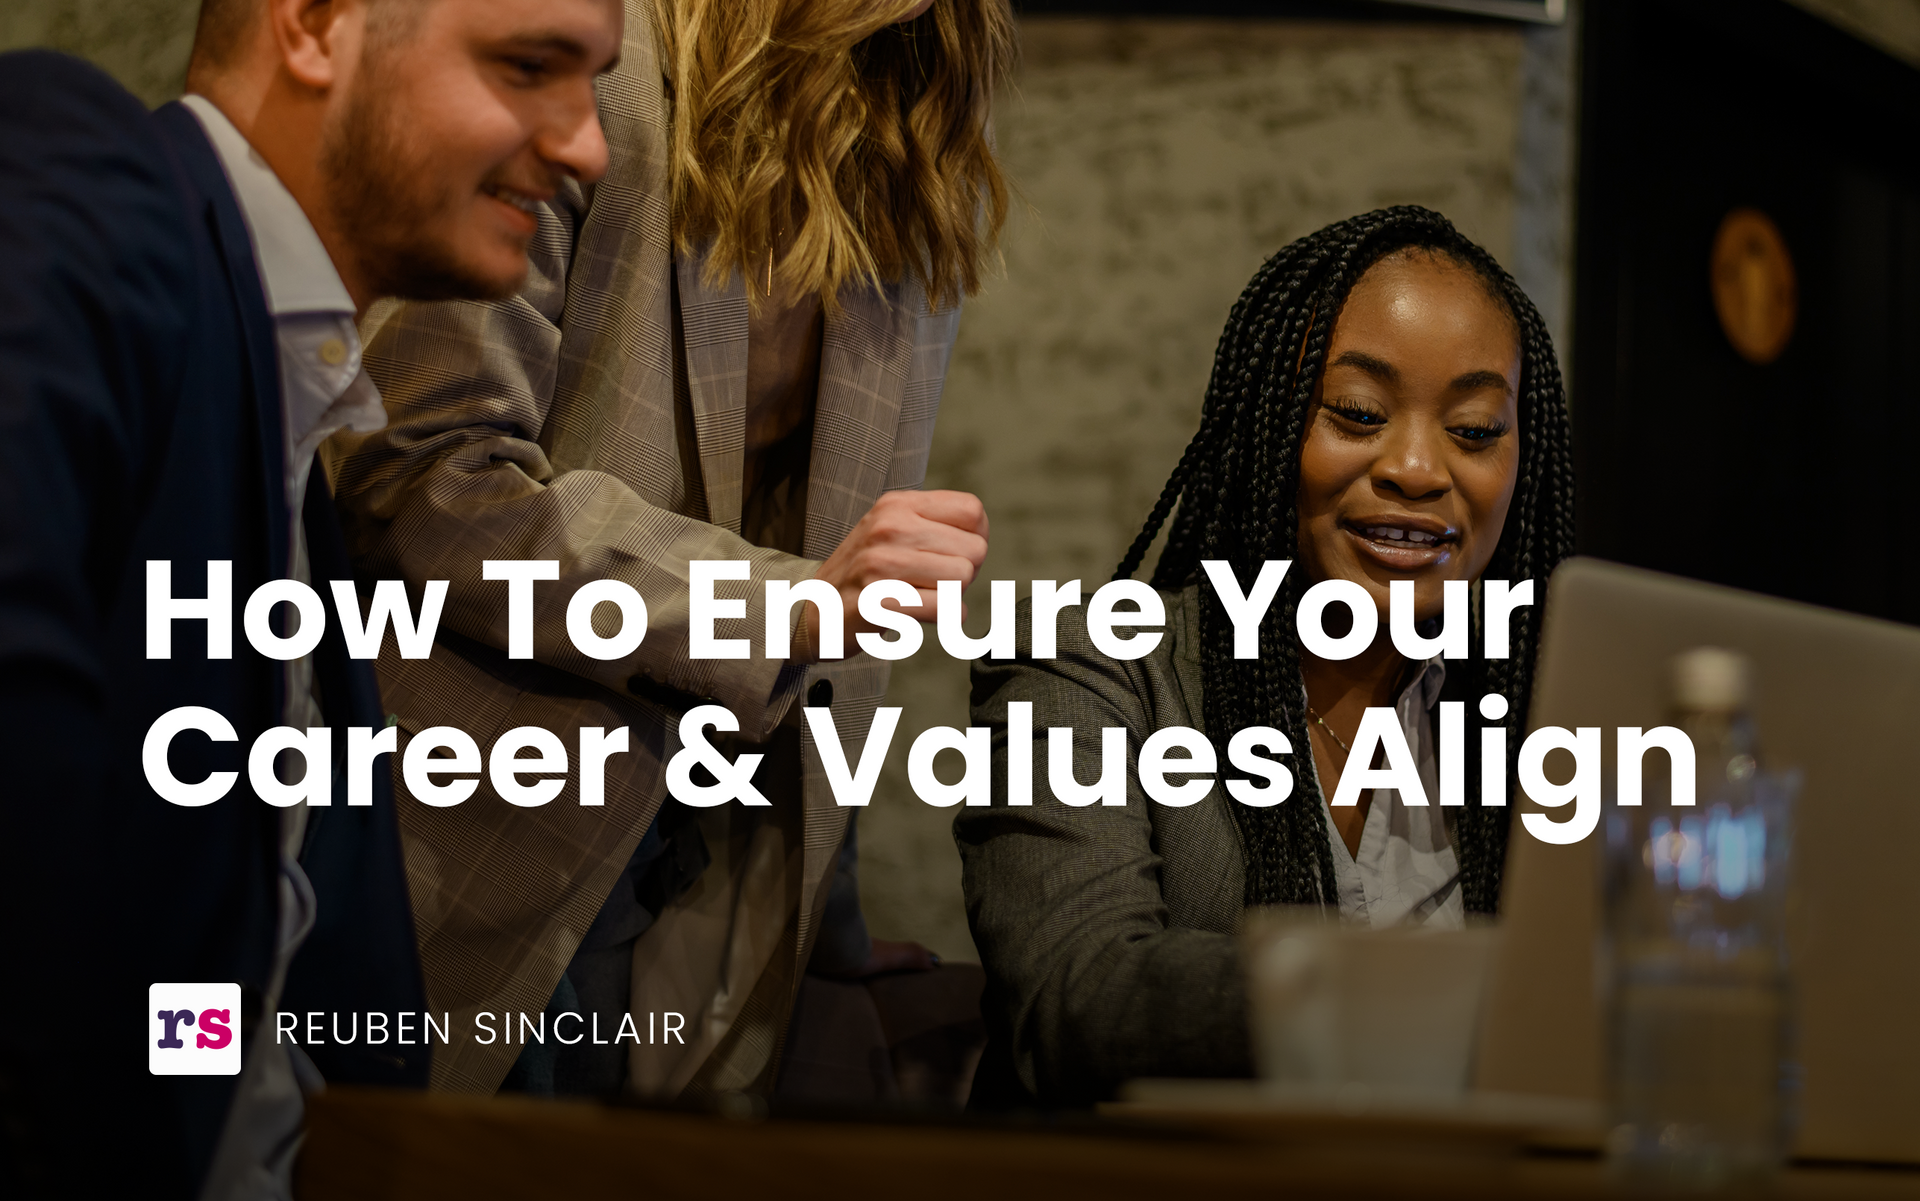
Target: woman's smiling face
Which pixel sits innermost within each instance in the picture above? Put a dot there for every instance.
(1413, 444)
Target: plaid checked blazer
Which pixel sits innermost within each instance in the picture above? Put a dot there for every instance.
(597, 419)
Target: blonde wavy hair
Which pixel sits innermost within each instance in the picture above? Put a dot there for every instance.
(858, 142)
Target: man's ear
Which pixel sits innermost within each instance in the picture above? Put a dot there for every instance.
(317, 39)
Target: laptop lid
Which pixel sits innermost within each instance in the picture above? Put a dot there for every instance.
(1837, 696)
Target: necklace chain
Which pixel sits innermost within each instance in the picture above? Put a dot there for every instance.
(1337, 741)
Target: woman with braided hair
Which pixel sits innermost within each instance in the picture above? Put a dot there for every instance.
(1385, 406)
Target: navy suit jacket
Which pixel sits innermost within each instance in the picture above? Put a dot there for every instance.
(140, 420)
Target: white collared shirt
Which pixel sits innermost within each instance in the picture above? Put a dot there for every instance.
(1405, 869)
(322, 386)
(323, 389)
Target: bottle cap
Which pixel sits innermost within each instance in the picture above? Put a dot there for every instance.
(1709, 677)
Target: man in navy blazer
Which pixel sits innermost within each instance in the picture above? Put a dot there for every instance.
(177, 297)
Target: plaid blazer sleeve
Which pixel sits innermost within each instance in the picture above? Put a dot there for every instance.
(508, 438)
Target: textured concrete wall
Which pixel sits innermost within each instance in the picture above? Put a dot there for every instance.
(142, 43)
(1543, 175)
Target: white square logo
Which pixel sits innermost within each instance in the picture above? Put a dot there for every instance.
(193, 1029)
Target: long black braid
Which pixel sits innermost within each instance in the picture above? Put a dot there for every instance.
(1236, 488)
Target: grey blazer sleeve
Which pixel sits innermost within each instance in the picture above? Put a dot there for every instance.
(1093, 980)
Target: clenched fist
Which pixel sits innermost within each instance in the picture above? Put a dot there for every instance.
(919, 538)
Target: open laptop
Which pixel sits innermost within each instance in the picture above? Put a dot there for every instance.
(1837, 696)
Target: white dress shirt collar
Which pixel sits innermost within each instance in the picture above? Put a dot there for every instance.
(323, 388)
(295, 269)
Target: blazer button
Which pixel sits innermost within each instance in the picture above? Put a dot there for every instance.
(820, 696)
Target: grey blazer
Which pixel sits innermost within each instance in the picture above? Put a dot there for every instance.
(1107, 933)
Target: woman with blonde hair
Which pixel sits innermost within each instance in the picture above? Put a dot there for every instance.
(730, 348)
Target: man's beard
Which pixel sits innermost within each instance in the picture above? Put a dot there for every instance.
(389, 201)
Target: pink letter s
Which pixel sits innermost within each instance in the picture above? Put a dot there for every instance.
(215, 1020)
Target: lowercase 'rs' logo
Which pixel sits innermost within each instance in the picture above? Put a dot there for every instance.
(193, 1029)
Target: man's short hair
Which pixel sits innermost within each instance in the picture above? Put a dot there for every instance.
(223, 27)
(225, 24)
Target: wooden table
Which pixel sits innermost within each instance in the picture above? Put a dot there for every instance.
(367, 1145)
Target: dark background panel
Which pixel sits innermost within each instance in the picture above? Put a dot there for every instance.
(1793, 478)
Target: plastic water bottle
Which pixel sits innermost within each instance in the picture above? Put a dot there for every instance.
(1702, 1083)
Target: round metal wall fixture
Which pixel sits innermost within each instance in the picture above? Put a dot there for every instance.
(1754, 289)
